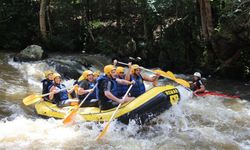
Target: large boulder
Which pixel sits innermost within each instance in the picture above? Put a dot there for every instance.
(70, 67)
(30, 53)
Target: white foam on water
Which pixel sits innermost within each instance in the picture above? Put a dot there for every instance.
(23, 133)
(13, 109)
(195, 123)
(32, 72)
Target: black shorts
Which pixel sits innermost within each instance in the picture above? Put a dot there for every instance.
(108, 105)
(90, 103)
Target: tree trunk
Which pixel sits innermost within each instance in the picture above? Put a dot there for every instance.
(42, 19)
(209, 22)
(206, 19)
(118, 15)
(48, 18)
(145, 28)
(86, 23)
(207, 29)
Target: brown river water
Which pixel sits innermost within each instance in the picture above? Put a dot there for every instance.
(195, 123)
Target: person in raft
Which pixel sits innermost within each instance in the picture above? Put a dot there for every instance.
(96, 74)
(121, 88)
(86, 86)
(47, 83)
(107, 91)
(60, 98)
(134, 73)
(197, 85)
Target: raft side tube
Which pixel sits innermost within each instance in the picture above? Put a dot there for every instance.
(149, 104)
(150, 109)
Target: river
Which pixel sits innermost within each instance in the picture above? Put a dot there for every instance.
(195, 123)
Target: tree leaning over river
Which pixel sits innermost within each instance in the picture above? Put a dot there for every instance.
(182, 35)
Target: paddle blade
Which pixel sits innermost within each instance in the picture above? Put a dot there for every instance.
(103, 131)
(182, 82)
(70, 117)
(31, 99)
(162, 73)
(171, 75)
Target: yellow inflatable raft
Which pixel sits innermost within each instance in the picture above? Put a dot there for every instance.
(143, 108)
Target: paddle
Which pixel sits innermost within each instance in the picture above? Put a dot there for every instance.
(178, 80)
(69, 118)
(105, 129)
(168, 75)
(35, 98)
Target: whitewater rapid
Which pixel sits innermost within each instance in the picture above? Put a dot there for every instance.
(195, 123)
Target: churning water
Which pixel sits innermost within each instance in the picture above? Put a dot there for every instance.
(195, 123)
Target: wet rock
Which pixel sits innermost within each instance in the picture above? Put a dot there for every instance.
(71, 67)
(98, 60)
(30, 53)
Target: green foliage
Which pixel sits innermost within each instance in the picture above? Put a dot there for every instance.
(233, 25)
(18, 23)
(158, 27)
(103, 46)
(95, 24)
(245, 61)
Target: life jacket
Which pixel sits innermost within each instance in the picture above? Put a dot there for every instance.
(90, 86)
(101, 80)
(197, 84)
(61, 96)
(46, 85)
(139, 87)
(121, 89)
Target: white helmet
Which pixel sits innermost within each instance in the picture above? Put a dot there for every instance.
(197, 74)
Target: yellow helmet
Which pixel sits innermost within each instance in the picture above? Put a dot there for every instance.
(47, 73)
(107, 69)
(86, 73)
(134, 67)
(97, 73)
(119, 70)
(56, 75)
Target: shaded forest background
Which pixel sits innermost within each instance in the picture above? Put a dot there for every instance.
(181, 35)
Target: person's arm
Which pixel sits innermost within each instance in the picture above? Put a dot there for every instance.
(72, 89)
(124, 82)
(150, 79)
(129, 72)
(155, 83)
(82, 87)
(52, 92)
(202, 89)
(81, 91)
(109, 95)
